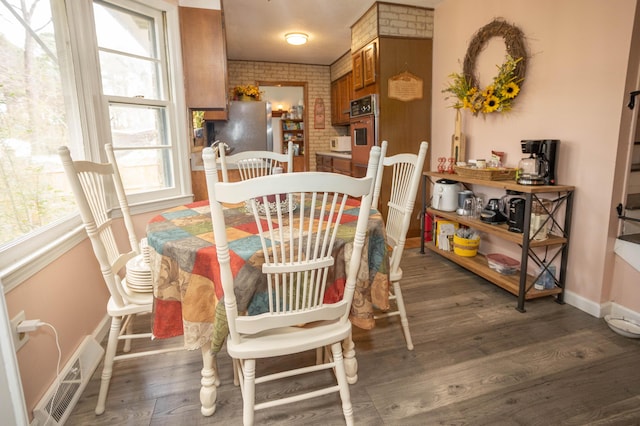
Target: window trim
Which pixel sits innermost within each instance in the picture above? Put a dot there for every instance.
(25, 257)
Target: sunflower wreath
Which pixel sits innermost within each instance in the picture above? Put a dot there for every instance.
(505, 87)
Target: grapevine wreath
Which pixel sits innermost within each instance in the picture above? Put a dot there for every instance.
(499, 95)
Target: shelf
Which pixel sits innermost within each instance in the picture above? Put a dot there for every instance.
(478, 265)
(501, 231)
(521, 283)
(502, 184)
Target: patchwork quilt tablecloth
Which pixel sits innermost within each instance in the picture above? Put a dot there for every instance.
(186, 273)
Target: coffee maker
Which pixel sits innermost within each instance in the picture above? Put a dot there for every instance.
(540, 167)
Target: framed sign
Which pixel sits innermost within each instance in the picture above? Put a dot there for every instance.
(405, 87)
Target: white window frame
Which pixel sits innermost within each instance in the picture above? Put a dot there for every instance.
(28, 255)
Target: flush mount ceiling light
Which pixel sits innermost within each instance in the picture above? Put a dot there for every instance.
(296, 38)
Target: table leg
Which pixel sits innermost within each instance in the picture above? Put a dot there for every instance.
(208, 391)
(350, 361)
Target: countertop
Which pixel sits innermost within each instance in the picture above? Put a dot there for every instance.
(346, 156)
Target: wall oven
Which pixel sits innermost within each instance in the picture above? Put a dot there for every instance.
(364, 131)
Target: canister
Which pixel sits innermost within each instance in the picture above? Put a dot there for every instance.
(540, 221)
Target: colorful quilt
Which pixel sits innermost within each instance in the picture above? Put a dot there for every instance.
(186, 273)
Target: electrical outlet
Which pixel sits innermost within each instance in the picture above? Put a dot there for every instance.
(19, 339)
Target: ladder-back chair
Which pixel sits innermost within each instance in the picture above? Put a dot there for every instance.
(297, 234)
(93, 185)
(252, 164)
(406, 170)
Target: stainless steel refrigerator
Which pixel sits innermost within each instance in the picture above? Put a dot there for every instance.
(247, 129)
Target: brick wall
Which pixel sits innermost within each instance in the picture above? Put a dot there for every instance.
(341, 66)
(384, 19)
(365, 30)
(318, 82)
(405, 21)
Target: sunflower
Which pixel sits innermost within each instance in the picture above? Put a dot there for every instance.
(491, 104)
(510, 90)
(496, 97)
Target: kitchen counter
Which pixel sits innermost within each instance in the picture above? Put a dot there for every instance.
(336, 154)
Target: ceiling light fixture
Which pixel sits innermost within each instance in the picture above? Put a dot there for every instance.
(296, 38)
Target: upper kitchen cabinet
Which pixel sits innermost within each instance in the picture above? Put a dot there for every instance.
(358, 70)
(341, 95)
(369, 64)
(204, 59)
(365, 70)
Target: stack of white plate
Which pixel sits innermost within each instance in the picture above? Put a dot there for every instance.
(139, 275)
(144, 248)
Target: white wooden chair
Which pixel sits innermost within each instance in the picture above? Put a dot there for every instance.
(297, 259)
(252, 164)
(406, 170)
(93, 185)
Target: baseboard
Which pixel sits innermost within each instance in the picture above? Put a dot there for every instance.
(590, 307)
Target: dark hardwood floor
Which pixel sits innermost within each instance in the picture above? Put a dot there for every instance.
(477, 361)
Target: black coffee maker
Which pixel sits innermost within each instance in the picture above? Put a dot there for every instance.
(540, 167)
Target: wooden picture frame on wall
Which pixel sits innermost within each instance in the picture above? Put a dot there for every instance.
(369, 65)
(358, 79)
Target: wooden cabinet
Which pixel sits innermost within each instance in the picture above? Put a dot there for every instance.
(364, 68)
(204, 58)
(333, 164)
(556, 244)
(369, 64)
(293, 130)
(341, 94)
(357, 69)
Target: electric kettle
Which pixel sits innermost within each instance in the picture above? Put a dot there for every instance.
(445, 195)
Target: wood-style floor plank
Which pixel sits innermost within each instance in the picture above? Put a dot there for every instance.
(477, 361)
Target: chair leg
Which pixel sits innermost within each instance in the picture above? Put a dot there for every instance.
(129, 330)
(350, 361)
(341, 376)
(110, 353)
(403, 315)
(248, 391)
(236, 366)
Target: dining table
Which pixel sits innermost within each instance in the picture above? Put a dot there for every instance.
(187, 288)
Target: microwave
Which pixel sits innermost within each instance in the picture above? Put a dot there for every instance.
(341, 143)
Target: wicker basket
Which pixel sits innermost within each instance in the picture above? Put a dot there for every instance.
(489, 173)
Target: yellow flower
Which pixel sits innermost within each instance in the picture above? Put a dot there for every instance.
(510, 91)
(247, 90)
(497, 96)
(491, 104)
(488, 91)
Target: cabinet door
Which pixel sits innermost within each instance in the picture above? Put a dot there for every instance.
(342, 166)
(204, 58)
(341, 93)
(357, 69)
(369, 73)
(345, 88)
(335, 103)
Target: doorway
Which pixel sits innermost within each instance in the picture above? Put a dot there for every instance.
(288, 118)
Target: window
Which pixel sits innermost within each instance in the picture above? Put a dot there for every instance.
(135, 85)
(34, 121)
(83, 73)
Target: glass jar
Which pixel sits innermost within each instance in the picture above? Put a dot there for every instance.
(540, 221)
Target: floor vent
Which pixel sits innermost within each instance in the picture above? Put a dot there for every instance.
(56, 405)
